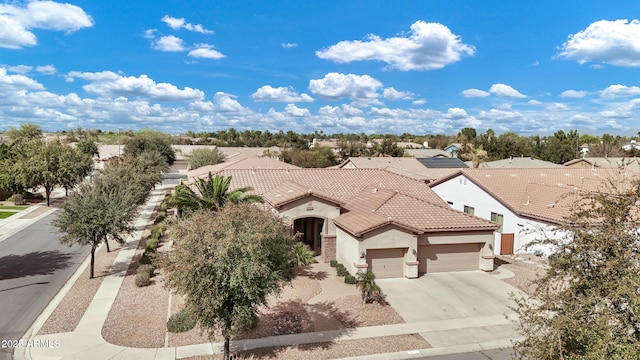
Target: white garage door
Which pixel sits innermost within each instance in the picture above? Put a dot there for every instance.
(386, 263)
(449, 257)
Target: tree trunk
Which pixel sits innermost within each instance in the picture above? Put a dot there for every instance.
(106, 241)
(93, 258)
(227, 340)
(47, 192)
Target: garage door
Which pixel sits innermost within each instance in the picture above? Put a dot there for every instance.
(449, 257)
(386, 263)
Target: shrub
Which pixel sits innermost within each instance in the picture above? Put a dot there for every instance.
(147, 268)
(350, 279)
(341, 270)
(17, 199)
(151, 245)
(302, 255)
(143, 279)
(333, 263)
(146, 258)
(160, 216)
(181, 321)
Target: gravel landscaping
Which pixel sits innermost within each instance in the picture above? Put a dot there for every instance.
(526, 267)
(67, 315)
(332, 350)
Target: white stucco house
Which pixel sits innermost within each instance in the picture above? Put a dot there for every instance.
(371, 219)
(528, 204)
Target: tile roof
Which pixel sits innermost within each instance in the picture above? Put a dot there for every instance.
(545, 194)
(518, 162)
(629, 163)
(407, 166)
(242, 163)
(426, 152)
(374, 208)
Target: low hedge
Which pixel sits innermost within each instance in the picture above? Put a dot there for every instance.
(350, 279)
(181, 321)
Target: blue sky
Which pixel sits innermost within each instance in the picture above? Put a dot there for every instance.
(423, 67)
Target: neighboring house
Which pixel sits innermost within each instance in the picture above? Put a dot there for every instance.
(372, 219)
(527, 203)
(517, 163)
(424, 169)
(427, 153)
(632, 145)
(453, 148)
(630, 163)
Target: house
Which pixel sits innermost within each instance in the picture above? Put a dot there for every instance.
(427, 153)
(453, 148)
(527, 203)
(630, 163)
(408, 166)
(517, 162)
(372, 219)
(632, 145)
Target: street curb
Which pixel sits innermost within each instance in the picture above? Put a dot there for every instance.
(448, 350)
(26, 224)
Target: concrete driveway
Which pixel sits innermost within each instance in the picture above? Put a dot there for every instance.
(456, 308)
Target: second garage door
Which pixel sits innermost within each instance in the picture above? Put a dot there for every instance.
(386, 263)
(449, 257)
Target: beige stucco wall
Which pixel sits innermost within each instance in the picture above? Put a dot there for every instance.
(311, 206)
(349, 248)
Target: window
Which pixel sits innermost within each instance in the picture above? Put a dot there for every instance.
(495, 217)
(469, 210)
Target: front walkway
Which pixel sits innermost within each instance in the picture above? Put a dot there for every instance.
(86, 341)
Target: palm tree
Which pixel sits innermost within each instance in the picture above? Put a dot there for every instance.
(476, 155)
(212, 194)
(365, 281)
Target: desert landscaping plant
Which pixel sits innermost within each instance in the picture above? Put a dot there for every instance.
(366, 283)
(181, 321)
(226, 264)
(302, 255)
(586, 304)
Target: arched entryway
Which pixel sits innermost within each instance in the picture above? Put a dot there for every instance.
(310, 230)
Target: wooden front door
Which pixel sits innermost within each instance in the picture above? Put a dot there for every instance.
(506, 244)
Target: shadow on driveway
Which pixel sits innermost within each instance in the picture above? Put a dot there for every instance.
(34, 263)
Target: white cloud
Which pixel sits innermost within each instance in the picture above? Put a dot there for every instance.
(456, 113)
(46, 69)
(16, 22)
(19, 69)
(573, 94)
(360, 89)
(557, 107)
(613, 42)
(473, 93)
(150, 33)
(419, 102)
(206, 51)
(293, 110)
(288, 45)
(392, 94)
(534, 102)
(279, 94)
(499, 115)
(505, 91)
(617, 91)
(180, 23)
(426, 46)
(18, 82)
(111, 85)
(169, 43)
(224, 102)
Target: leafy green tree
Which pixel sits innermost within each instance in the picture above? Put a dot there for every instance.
(586, 306)
(561, 147)
(94, 214)
(26, 132)
(148, 140)
(388, 148)
(48, 164)
(212, 194)
(227, 264)
(88, 147)
(205, 156)
(319, 157)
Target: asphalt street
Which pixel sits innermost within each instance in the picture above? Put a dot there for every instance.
(34, 266)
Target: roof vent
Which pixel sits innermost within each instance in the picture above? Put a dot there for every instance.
(375, 190)
(389, 219)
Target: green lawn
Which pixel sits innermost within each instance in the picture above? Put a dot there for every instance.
(8, 207)
(5, 214)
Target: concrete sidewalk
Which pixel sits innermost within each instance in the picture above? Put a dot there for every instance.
(86, 340)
